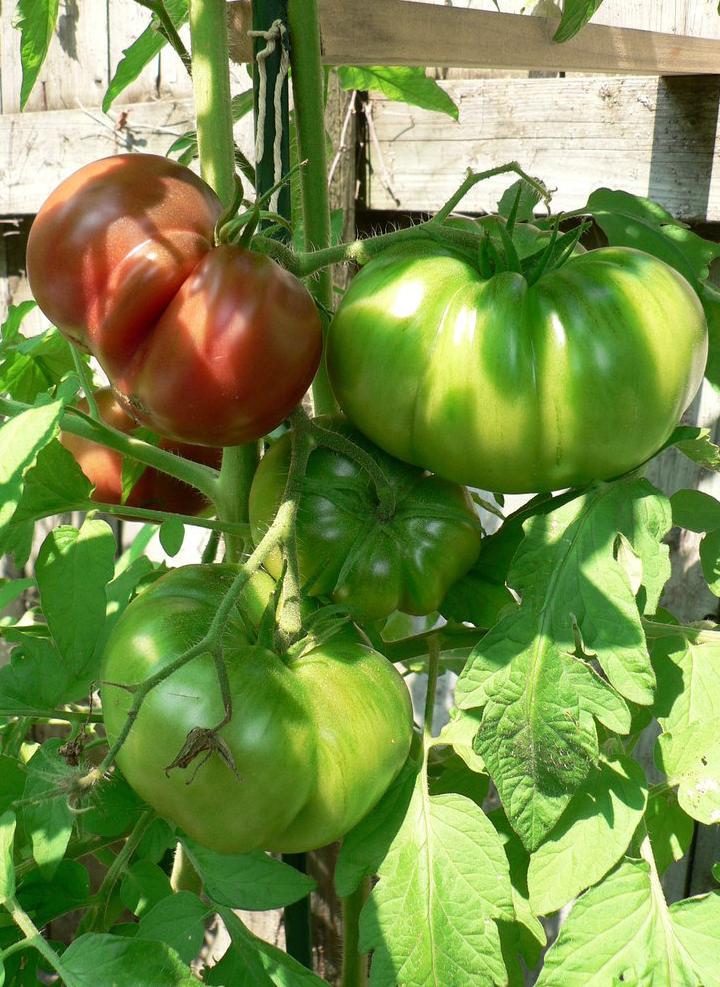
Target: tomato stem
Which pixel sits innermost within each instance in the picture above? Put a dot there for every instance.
(203, 478)
(211, 86)
(168, 30)
(35, 938)
(289, 619)
(236, 473)
(308, 83)
(447, 639)
(354, 964)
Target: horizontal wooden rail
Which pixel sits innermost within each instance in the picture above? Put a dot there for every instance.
(404, 32)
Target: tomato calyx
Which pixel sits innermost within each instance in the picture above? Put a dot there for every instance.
(200, 745)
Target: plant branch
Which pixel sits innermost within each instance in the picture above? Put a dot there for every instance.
(354, 965)
(445, 638)
(168, 30)
(289, 621)
(96, 917)
(309, 97)
(36, 939)
(203, 478)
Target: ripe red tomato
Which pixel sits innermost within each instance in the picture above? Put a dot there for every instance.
(154, 490)
(209, 345)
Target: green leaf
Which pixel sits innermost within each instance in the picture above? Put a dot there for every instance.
(710, 299)
(590, 837)
(35, 365)
(172, 535)
(252, 881)
(365, 847)
(178, 921)
(11, 589)
(695, 510)
(12, 781)
(531, 932)
(251, 962)
(710, 560)
(443, 886)
(104, 959)
(36, 680)
(404, 83)
(632, 221)
(575, 15)
(669, 828)
(537, 735)
(35, 19)
(73, 567)
(696, 444)
(21, 439)
(67, 890)
(690, 758)
(10, 329)
(141, 52)
(687, 666)
(460, 732)
(48, 818)
(623, 932)
(448, 772)
(144, 885)
(529, 198)
(54, 485)
(7, 868)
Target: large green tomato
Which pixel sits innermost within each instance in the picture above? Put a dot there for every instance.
(349, 550)
(511, 386)
(315, 739)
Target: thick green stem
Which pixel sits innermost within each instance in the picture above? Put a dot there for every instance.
(234, 529)
(96, 918)
(238, 468)
(456, 639)
(289, 621)
(211, 86)
(35, 938)
(204, 478)
(354, 965)
(309, 98)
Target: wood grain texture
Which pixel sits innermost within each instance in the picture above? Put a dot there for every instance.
(38, 150)
(651, 137)
(405, 32)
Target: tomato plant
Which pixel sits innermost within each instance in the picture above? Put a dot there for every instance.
(292, 780)
(515, 386)
(401, 552)
(205, 344)
(153, 490)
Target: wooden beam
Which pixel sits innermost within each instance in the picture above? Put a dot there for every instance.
(404, 32)
(38, 150)
(652, 137)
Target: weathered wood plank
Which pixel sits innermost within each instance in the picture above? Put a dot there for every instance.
(38, 150)
(651, 137)
(403, 32)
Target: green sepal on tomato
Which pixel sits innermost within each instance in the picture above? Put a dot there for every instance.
(212, 345)
(316, 735)
(153, 490)
(348, 549)
(515, 386)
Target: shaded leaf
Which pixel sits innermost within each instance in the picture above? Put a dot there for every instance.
(105, 959)
(177, 920)
(591, 835)
(48, 818)
(253, 881)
